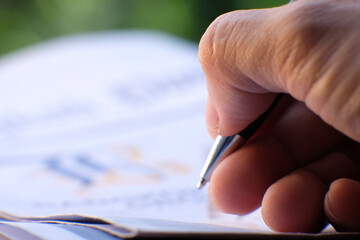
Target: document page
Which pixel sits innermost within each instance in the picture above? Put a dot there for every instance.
(108, 125)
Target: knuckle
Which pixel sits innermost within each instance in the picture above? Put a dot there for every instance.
(310, 36)
(214, 42)
(306, 19)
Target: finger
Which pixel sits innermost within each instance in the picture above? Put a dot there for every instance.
(302, 133)
(239, 182)
(295, 203)
(295, 49)
(342, 205)
(341, 163)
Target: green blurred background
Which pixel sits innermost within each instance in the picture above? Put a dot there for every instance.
(24, 22)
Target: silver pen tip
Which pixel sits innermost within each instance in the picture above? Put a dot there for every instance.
(201, 184)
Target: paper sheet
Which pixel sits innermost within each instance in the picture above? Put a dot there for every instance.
(109, 125)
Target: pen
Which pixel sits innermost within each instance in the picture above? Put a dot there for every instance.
(224, 146)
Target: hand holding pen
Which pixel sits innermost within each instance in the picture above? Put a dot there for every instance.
(303, 165)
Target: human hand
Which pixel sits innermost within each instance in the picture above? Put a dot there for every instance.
(304, 165)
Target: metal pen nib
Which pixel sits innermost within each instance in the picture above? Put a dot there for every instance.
(222, 147)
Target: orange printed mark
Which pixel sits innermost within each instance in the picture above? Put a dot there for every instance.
(174, 167)
(132, 153)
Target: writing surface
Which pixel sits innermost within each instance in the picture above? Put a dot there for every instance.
(107, 125)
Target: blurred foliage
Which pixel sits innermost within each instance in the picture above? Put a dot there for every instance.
(24, 22)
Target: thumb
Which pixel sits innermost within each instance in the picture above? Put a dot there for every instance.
(308, 49)
(226, 49)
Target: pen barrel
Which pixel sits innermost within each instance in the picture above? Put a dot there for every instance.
(249, 131)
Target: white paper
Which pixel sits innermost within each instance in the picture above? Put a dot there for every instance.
(108, 125)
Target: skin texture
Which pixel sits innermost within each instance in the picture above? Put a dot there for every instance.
(302, 166)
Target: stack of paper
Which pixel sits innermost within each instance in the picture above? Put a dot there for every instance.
(109, 126)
